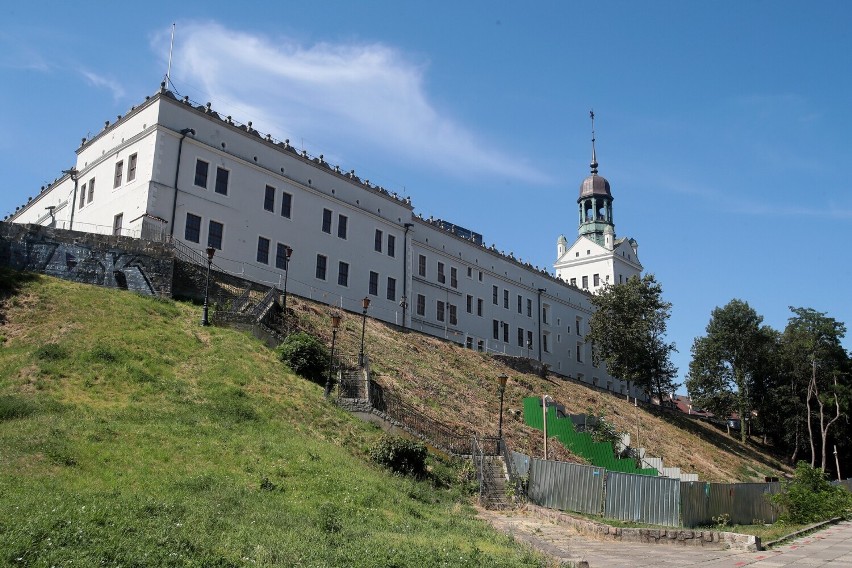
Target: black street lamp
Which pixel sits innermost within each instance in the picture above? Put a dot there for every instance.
(210, 252)
(502, 378)
(288, 252)
(365, 303)
(335, 325)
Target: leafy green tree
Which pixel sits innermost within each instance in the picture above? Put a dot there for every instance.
(628, 331)
(817, 369)
(809, 497)
(730, 361)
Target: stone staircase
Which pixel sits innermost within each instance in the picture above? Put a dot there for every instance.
(493, 485)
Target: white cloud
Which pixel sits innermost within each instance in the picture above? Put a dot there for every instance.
(367, 94)
(104, 82)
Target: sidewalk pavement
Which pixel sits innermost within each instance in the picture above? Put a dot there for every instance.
(829, 547)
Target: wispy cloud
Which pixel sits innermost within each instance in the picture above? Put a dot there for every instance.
(368, 94)
(16, 54)
(104, 82)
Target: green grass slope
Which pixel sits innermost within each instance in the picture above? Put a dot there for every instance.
(131, 436)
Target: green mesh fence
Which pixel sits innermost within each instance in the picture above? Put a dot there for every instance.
(600, 454)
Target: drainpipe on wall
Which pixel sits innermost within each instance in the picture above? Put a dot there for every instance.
(540, 290)
(405, 271)
(183, 134)
(73, 172)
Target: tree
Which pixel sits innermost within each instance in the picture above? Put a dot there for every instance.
(729, 361)
(627, 331)
(816, 365)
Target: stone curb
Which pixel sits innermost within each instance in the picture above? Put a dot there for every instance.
(674, 536)
(807, 530)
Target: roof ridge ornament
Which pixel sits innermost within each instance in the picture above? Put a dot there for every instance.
(594, 164)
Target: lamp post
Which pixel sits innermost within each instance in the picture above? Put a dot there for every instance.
(502, 378)
(365, 303)
(210, 252)
(288, 252)
(335, 325)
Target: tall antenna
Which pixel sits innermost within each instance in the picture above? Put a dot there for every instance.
(171, 46)
(594, 164)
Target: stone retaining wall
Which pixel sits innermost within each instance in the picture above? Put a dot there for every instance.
(675, 536)
(142, 266)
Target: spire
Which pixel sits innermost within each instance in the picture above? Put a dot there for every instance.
(594, 164)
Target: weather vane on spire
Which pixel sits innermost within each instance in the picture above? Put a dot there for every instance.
(594, 164)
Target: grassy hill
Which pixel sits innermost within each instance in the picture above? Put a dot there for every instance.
(459, 386)
(131, 436)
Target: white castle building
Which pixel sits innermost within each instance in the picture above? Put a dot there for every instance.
(170, 168)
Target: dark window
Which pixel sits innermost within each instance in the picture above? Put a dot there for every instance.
(286, 204)
(529, 308)
(454, 277)
(222, 176)
(520, 337)
(577, 326)
(391, 245)
(441, 278)
(421, 266)
(506, 299)
(192, 230)
(343, 273)
(391, 289)
(505, 332)
(480, 276)
(496, 329)
(529, 340)
(201, 173)
(520, 304)
(263, 250)
(214, 234)
(326, 221)
(341, 226)
(579, 353)
(116, 223)
(574, 282)
(469, 304)
(585, 282)
(544, 314)
(479, 306)
(494, 295)
(544, 343)
(269, 198)
(469, 272)
(596, 280)
(131, 167)
(82, 196)
(374, 283)
(454, 320)
(421, 305)
(322, 261)
(440, 311)
(281, 261)
(91, 189)
(119, 170)
(377, 241)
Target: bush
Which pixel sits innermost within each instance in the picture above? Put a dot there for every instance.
(305, 355)
(400, 455)
(810, 498)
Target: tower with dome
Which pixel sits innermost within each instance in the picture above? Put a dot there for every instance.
(597, 256)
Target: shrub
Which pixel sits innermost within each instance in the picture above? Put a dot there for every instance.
(400, 455)
(305, 355)
(809, 497)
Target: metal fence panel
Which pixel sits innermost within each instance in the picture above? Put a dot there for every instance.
(743, 502)
(694, 503)
(566, 486)
(643, 499)
(522, 463)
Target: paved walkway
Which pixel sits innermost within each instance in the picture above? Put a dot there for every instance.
(830, 547)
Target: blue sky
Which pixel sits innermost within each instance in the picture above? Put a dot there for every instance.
(725, 128)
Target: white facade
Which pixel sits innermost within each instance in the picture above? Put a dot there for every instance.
(171, 168)
(589, 266)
